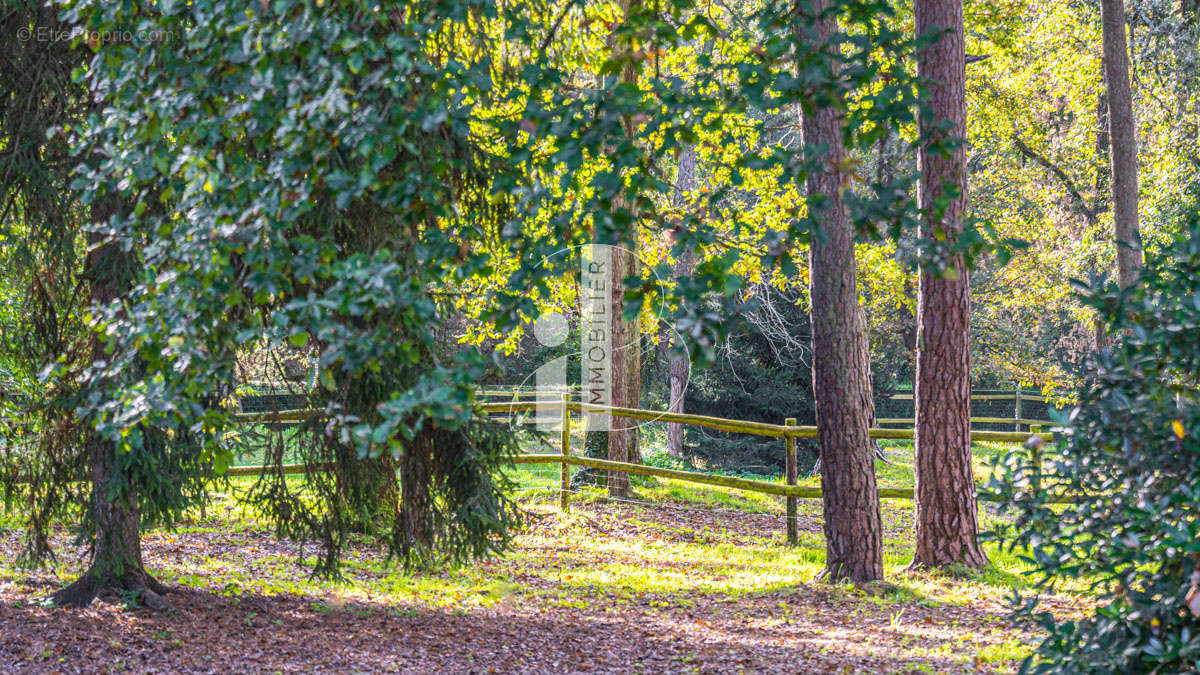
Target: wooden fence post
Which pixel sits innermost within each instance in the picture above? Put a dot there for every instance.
(564, 468)
(1017, 414)
(789, 443)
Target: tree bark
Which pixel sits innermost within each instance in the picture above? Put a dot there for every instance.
(841, 376)
(679, 370)
(117, 551)
(947, 511)
(627, 344)
(1104, 169)
(1122, 142)
(626, 372)
(416, 502)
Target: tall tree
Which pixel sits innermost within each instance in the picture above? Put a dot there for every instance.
(1122, 134)
(679, 369)
(626, 334)
(45, 220)
(401, 177)
(841, 373)
(117, 554)
(947, 510)
(626, 370)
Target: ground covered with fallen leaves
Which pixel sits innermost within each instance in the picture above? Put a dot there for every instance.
(686, 580)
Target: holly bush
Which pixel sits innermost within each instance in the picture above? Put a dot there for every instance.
(1115, 502)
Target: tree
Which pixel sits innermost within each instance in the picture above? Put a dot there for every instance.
(626, 365)
(947, 511)
(246, 250)
(42, 256)
(117, 554)
(841, 372)
(1122, 134)
(679, 368)
(52, 348)
(626, 330)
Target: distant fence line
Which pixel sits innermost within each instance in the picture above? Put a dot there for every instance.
(269, 397)
(1018, 397)
(788, 431)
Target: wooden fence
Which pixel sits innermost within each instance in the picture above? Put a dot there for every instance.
(1017, 396)
(788, 431)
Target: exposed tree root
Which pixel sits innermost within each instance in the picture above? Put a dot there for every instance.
(141, 586)
(963, 567)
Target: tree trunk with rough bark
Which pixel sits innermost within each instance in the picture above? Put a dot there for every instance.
(841, 375)
(626, 372)
(117, 553)
(1122, 133)
(626, 335)
(1103, 169)
(680, 369)
(947, 510)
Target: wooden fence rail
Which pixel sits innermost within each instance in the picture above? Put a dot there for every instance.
(520, 394)
(974, 420)
(731, 425)
(787, 431)
(524, 392)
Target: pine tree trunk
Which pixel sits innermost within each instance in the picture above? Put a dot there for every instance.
(627, 354)
(117, 555)
(947, 511)
(416, 502)
(626, 372)
(1122, 142)
(841, 376)
(679, 370)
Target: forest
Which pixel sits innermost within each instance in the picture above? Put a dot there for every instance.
(617, 336)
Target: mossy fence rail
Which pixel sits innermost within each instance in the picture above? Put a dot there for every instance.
(788, 432)
(1020, 404)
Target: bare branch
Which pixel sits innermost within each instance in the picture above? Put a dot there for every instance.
(1088, 212)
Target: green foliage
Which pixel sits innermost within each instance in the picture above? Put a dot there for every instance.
(43, 299)
(1128, 457)
(289, 175)
(318, 215)
(764, 374)
(309, 176)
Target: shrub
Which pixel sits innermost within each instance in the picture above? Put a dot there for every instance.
(1128, 458)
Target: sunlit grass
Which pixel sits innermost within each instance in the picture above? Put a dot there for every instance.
(677, 550)
(563, 562)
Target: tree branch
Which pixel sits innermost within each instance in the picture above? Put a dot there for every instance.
(1088, 212)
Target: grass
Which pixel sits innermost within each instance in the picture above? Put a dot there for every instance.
(678, 551)
(539, 483)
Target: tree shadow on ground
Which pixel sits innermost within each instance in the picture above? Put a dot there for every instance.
(205, 632)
